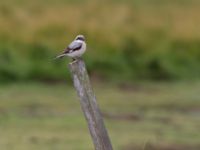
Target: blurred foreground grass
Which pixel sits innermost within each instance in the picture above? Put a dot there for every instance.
(140, 116)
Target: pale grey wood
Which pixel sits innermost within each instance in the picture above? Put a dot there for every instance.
(89, 105)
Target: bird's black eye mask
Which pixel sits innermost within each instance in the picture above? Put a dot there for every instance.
(80, 38)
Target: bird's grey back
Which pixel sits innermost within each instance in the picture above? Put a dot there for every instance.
(75, 45)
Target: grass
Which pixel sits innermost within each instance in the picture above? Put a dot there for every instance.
(45, 117)
(141, 39)
(36, 21)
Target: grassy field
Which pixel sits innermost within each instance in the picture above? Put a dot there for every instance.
(142, 116)
(141, 39)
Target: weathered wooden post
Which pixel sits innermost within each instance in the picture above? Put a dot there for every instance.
(89, 105)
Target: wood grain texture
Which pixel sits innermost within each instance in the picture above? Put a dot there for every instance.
(89, 105)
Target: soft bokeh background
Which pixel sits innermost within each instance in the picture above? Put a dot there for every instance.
(143, 59)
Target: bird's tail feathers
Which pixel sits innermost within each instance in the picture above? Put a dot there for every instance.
(59, 56)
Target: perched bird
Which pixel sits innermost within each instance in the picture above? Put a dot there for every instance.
(75, 49)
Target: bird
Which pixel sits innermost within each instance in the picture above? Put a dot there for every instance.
(75, 49)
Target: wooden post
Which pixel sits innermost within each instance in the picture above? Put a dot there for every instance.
(89, 105)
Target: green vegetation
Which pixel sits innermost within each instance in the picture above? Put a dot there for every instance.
(137, 38)
(48, 117)
(128, 40)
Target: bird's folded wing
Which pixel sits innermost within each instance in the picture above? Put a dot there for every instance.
(74, 46)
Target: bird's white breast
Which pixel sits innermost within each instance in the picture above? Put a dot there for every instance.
(78, 53)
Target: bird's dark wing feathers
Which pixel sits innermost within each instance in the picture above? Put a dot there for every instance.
(74, 46)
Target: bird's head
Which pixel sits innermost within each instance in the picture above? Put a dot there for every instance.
(80, 37)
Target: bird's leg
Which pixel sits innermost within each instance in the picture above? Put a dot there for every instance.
(76, 59)
(73, 59)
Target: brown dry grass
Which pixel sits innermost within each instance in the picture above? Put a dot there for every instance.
(108, 20)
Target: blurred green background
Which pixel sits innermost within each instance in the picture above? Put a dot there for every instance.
(143, 58)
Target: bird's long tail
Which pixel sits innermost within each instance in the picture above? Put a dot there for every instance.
(59, 56)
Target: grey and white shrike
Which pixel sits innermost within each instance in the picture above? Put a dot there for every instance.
(75, 49)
